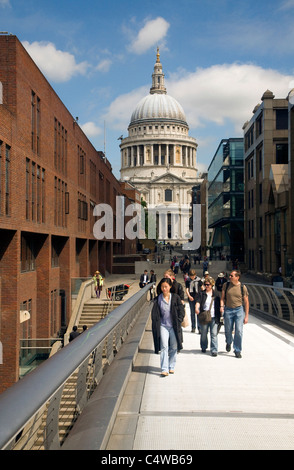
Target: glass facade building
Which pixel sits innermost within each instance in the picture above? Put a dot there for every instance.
(226, 200)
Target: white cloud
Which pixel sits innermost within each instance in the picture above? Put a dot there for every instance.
(120, 110)
(151, 34)
(5, 3)
(226, 92)
(58, 66)
(219, 95)
(104, 65)
(90, 129)
(287, 5)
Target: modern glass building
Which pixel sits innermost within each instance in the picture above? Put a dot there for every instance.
(226, 200)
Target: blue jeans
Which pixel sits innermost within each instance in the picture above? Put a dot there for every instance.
(234, 316)
(169, 348)
(212, 326)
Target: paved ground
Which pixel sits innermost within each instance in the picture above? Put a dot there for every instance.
(211, 402)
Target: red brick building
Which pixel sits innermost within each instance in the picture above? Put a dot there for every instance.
(51, 178)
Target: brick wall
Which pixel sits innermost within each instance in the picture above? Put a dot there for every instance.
(79, 253)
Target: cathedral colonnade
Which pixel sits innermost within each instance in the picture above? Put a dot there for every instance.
(157, 154)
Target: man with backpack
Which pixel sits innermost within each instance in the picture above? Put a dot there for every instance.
(235, 305)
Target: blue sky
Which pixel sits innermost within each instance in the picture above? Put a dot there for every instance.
(218, 56)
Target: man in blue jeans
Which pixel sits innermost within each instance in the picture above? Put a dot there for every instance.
(234, 297)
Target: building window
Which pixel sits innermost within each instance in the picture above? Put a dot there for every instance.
(33, 189)
(249, 138)
(27, 189)
(28, 253)
(259, 156)
(7, 181)
(26, 326)
(43, 194)
(93, 179)
(35, 121)
(168, 195)
(54, 312)
(1, 193)
(35, 192)
(60, 206)
(60, 147)
(55, 250)
(281, 153)
(82, 167)
(260, 228)
(82, 212)
(281, 118)
(259, 128)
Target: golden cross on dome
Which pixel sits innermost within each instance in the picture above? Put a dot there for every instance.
(157, 56)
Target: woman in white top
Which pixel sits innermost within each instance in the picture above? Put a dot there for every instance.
(208, 300)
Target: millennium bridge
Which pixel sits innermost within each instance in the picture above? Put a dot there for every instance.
(104, 390)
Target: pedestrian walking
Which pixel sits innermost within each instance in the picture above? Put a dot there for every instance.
(235, 305)
(220, 281)
(193, 287)
(144, 279)
(74, 333)
(153, 282)
(98, 283)
(167, 315)
(208, 301)
(177, 287)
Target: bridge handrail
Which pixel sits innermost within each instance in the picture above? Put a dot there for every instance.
(43, 387)
(278, 302)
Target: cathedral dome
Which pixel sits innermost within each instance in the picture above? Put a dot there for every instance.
(160, 107)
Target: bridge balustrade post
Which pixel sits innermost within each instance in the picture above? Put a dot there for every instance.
(51, 432)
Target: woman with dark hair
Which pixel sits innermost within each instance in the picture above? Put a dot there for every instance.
(167, 316)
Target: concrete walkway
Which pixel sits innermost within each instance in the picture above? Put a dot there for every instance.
(211, 403)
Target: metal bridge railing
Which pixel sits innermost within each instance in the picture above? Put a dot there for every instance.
(38, 411)
(276, 302)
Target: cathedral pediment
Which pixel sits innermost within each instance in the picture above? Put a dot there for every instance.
(168, 178)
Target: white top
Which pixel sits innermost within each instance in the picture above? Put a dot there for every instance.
(207, 305)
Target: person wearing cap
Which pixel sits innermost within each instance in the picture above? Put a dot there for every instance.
(205, 276)
(220, 281)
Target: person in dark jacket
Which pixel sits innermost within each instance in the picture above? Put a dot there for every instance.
(74, 333)
(144, 279)
(207, 300)
(167, 315)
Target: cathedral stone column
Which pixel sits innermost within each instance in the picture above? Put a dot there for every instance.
(166, 155)
(159, 154)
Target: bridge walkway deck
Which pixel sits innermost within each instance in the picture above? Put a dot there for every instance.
(211, 402)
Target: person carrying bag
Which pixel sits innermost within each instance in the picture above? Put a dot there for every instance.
(208, 313)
